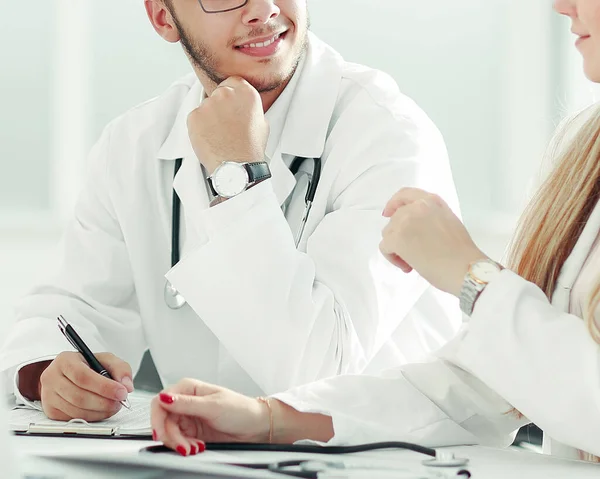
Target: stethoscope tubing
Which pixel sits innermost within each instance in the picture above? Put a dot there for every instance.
(173, 298)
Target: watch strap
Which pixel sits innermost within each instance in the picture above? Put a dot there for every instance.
(258, 171)
(209, 180)
(469, 293)
(472, 289)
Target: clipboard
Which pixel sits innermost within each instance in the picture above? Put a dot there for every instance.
(126, 424)
(81, 429)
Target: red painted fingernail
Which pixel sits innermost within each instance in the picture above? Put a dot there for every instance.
(182, 450)
(201, 447)
(154, 436)
(193, 450)
(166, 398)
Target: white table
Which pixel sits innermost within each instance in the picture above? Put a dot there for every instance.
(485, 463)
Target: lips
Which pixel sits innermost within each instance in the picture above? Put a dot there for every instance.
(261, 42)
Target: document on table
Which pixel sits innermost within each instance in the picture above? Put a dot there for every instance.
(133, 422)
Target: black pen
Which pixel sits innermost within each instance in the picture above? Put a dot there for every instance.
(87, 354)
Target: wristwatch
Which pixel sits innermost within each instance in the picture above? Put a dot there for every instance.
(232, 178)
(477, 278)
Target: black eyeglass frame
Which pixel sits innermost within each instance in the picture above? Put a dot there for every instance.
(245, 2)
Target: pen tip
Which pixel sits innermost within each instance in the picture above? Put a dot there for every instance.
(126, 404)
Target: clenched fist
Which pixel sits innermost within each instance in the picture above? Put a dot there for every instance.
(229, 125)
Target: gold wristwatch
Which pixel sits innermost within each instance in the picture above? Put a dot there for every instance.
(480, 273)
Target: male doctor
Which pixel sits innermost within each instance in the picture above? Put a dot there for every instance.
(258, 314)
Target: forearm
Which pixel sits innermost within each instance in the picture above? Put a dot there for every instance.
(291, 425)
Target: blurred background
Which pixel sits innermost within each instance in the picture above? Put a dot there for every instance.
(496, 76)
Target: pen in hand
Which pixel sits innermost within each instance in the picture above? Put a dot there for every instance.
(83, 349)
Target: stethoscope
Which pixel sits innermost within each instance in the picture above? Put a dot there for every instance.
(174, 299)
(313, 469)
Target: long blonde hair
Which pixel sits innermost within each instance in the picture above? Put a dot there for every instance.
(555, 218)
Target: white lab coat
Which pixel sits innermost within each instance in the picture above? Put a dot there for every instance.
(261, 316)
(517, 349)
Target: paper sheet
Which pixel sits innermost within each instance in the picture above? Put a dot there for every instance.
(134, 421)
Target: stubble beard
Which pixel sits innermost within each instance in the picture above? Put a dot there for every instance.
(204, 60)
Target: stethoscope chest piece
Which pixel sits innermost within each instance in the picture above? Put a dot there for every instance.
(173, 298)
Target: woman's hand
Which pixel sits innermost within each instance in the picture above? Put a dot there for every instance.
(191, 412)
(425, 235)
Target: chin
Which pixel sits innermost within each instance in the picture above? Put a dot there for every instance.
(592, 72)
(268, 81)
(266, 84)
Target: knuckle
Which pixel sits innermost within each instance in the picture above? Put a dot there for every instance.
(421, 208)
(184, 384)
(55, 414)
(107, 390)
(77, 398)
(107, 356)
(47, 374)
(225, 91)
(436, 199)
(80, 378)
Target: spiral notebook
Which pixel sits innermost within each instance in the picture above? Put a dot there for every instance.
(133, 423)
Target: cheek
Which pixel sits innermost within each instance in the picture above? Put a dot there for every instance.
(295, 11)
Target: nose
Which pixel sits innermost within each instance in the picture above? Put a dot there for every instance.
(260, 12)
(566, 7)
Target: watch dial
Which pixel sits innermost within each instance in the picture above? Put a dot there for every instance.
(484, 271)
(230, 179)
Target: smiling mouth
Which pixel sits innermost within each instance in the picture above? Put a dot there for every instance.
(266, 43)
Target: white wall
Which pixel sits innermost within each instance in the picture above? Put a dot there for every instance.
(488, 72)
(481, 70)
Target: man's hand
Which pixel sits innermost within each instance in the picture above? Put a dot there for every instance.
(192, 411)
(229, 125)
(424, 234)
(69, 388)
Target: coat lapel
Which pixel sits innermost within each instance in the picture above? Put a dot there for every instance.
(574, 264)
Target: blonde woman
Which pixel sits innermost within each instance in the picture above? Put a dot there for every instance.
(529, 351)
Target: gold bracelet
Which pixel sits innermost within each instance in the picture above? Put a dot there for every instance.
(267, 402)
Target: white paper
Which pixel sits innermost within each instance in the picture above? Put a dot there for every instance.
(131, 422)
(6, 453)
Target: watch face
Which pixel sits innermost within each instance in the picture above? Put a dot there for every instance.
(484, 271)
(230, 179)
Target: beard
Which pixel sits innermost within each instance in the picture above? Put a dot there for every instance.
(206, 61)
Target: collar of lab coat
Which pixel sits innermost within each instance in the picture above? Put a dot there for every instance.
(574, 263)
(306, 124)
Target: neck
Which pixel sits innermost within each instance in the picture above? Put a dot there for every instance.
(270, 97)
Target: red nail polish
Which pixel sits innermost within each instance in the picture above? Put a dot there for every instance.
(201, 447)
(182, 450)
(166, 398)
(193, 450)
(154, 436)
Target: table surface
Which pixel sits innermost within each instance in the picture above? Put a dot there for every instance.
(485, 462)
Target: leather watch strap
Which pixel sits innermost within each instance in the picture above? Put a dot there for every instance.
(258, 171)
(213, 192)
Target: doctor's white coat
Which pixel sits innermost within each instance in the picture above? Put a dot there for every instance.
(262, 316)
(518, 349)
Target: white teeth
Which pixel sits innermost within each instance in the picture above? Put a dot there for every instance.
(263, 44)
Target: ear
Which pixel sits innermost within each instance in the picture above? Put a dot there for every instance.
(162, 20)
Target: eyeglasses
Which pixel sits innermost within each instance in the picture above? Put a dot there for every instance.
(221, 6)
